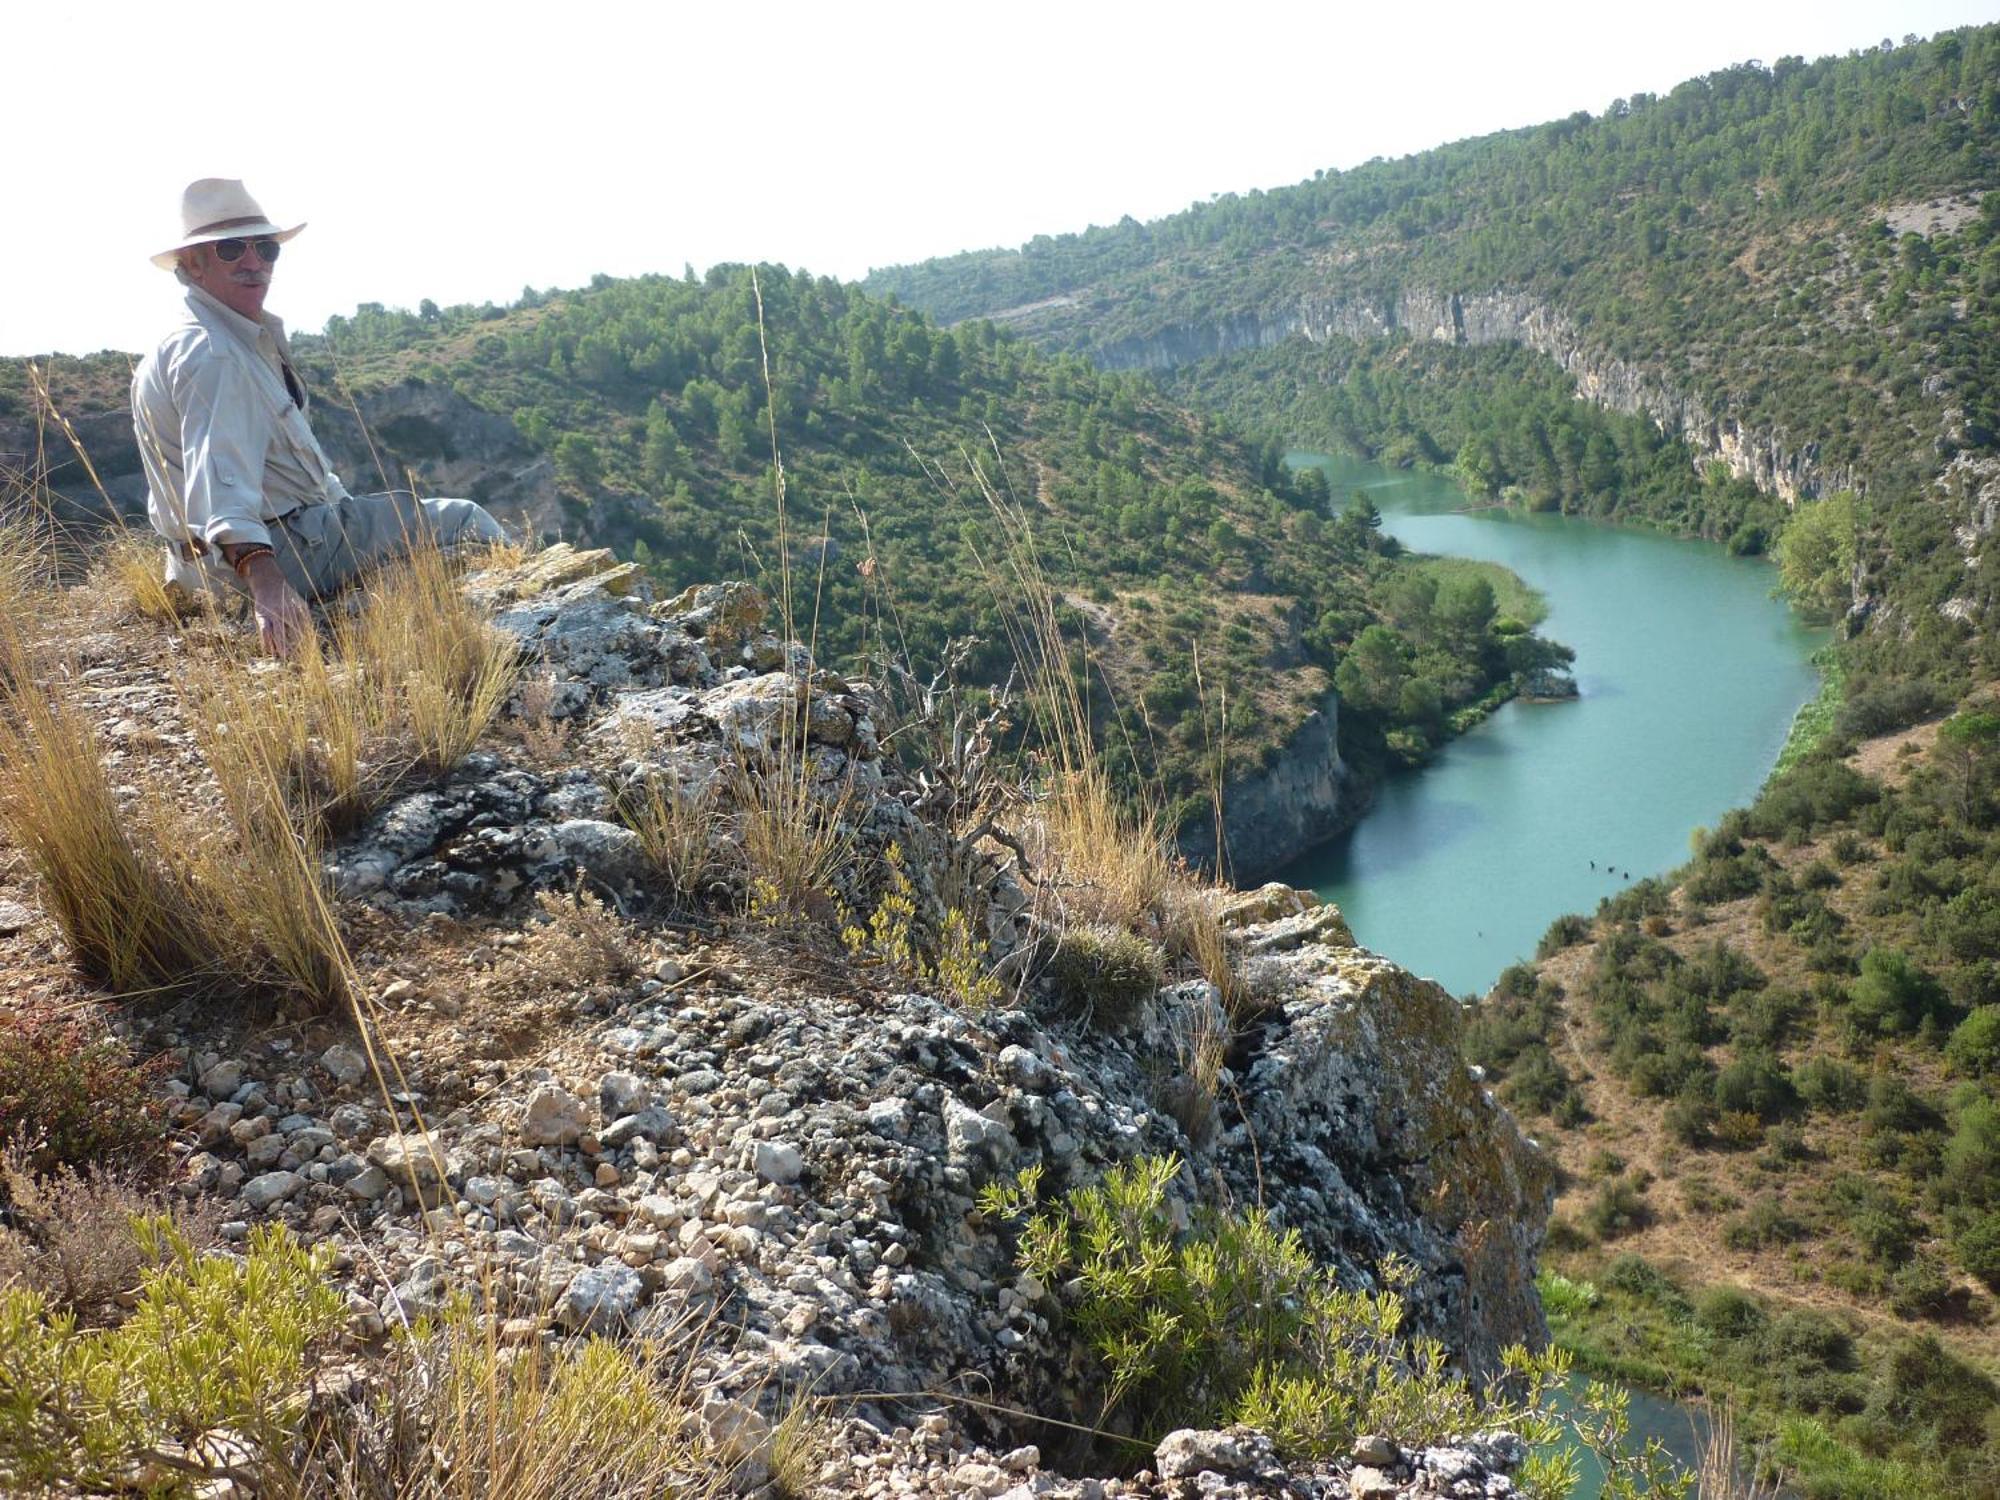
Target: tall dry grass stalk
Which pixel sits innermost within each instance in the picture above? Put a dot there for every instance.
(1194, 931)
(675, 822)
(793, 832)
(795, 836)
(131, 566)
(1723, 1474)
(433, 662)
(1104, 859)
(266, 880)
(131, 918)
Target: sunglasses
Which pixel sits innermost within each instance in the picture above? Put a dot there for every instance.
(230, 251)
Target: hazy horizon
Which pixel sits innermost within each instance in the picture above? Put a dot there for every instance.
(830, 140)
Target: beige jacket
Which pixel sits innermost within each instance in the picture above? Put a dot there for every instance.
(226, 445)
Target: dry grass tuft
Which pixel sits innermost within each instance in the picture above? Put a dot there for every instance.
(794, 836)
(675, 821)
(267, 881)
(466, 1417)
(435, 665)
(1103, 862)
(132, 917)
(1194, 931)
(1722, 1473)
(131, 567)
(802, 1443)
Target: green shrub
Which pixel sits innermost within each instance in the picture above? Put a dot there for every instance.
(1564, 1298)
(1974, 1048)
(1830, 1085)
(1892, 994)
(1636, 1276)
(76, 1099)
(1970, 1170)
(1932, 1398)
(1232, 1322)
(1763, 1224)
(1756, 1084)
(1565, 931)
(1617, 1209)
(1191, 1329)
(1729, 1312)
(1689, 1119)
(1804, 1338)
(1104, 974)
(1919, 1288)
(1977, 1246)
(215, 1343)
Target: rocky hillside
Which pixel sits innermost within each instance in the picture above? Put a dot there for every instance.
(1785, 269)
(596, 1092)
(922, 469)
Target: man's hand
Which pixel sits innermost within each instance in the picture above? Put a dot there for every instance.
(282, 617)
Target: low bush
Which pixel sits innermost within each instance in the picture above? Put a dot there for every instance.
(1689, 1119)
(1729, 1312)
(1638, 1277)
(70, 1098)
(1232, 1322)
(1564, 1298)
(1617, 1209)
(67, 1235)
(1920, 1288)
(1801, 1338)
(216, 1344)
(1830, 1085)
(1764, 1224)
(1104, 974)
(1974, 1048)
(1564, 932)
(1755, 1083)
(1932, 1398)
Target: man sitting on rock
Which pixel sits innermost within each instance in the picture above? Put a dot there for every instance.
(237, 483)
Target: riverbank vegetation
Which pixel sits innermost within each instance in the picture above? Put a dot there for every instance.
(1774, 1073)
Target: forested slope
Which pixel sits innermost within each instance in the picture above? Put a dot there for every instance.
(1217, 600)
(1771, 1075)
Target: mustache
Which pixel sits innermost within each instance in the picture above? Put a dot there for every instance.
(251, 278)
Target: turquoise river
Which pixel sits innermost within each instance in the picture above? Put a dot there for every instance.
(1690, 675)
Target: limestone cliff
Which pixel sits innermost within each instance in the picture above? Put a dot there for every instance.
(1772, 460)
(1305, 796)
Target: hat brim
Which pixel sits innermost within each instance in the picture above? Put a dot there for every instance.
(256, 230)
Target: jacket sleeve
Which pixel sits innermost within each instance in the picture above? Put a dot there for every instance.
(225, 434)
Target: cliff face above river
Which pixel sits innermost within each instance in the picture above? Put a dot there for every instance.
(1771, 460)
(1305, 796)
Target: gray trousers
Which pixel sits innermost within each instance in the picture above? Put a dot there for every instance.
(323, 548)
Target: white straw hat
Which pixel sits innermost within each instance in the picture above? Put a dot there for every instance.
(219, 208)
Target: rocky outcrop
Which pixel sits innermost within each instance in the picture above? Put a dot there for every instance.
(794, 1158)
(1301, 799)
(1771, 460)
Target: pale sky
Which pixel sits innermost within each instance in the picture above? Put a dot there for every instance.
(462, 151)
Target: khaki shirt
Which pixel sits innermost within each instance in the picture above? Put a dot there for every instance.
(226, 445)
